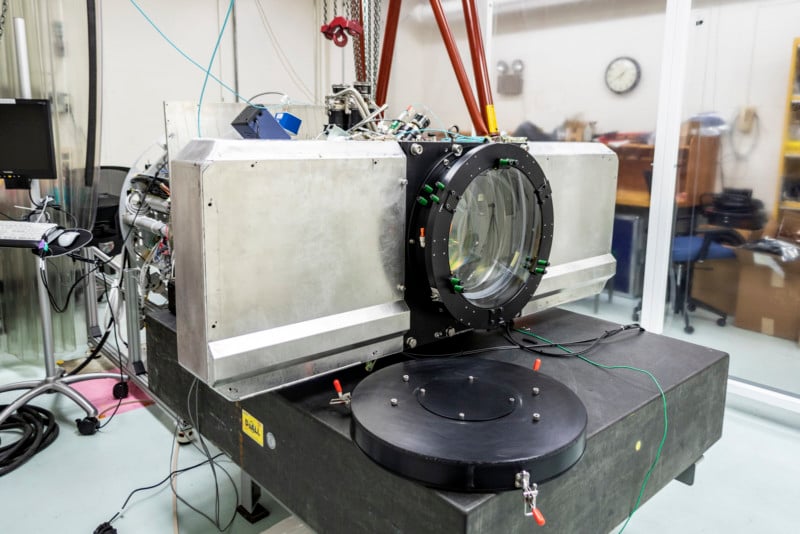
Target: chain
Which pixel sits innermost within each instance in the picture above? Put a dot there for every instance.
(325, 18)
(375, 38)
(3, 18)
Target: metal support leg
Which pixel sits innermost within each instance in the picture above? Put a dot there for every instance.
(91, 298)
(92, 376)
(133, 320)
(250, 493)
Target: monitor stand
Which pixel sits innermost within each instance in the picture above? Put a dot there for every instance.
(55, 380)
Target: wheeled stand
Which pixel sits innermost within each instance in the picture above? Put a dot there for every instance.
(54, 381)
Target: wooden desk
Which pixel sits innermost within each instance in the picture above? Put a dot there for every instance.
(697, 163)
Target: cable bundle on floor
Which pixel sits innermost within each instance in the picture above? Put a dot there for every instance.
(38, 429)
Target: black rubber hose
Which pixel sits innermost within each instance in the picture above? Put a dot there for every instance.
(38, 429)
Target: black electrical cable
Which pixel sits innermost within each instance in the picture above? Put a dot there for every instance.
(227, 474)
(53, 303)
(193, 421)
(95, 352)
(38, 428)
(592, 343)
(157, 484)
(9, 217)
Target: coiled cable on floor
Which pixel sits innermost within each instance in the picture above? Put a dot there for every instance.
(38, 429)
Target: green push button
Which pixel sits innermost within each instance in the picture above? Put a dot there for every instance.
(435, 198)
(543, 262)
(458, 288)
(455, 281)
(440, 186)
(539, 270)
(428, 189)
(422, 201)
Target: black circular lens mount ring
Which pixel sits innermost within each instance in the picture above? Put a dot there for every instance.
(434, 210)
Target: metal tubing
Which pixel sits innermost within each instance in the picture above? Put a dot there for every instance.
(92, 376)
(23, 67)
(24, 74)
(132, 316)
(92, 320)
(458, 68)
(47, 319)
(387, 51)
(478, 56)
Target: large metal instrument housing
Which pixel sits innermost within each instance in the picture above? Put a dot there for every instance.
(290, 256)
(289, 259)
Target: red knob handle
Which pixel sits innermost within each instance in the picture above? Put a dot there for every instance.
(537, 515)
(337, 386)
(537, 364)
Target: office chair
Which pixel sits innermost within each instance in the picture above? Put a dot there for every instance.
(689, 250)
(106, 232)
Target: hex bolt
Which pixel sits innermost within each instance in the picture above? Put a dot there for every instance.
(461, 415)
(405, 378)
(422, 391)
(416, 149)
(458, 150)
(536, 417)
(393, 401)
(535, 391)
(401, 287)
(472, 379)
(403, 181)
(450, 331)
(511, 399)
(411, 342)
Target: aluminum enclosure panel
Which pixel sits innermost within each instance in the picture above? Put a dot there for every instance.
(289, 258)
(583, 177)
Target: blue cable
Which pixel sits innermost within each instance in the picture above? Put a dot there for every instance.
(189, 59)
(211, 63)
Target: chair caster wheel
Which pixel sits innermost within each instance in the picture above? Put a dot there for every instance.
(691, 307)
(721, 321)
(688, 329)
(88, 425)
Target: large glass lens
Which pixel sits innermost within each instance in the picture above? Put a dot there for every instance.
(494, 228)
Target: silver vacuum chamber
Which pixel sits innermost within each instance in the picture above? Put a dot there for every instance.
(290, 256)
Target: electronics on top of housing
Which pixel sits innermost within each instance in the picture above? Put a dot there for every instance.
(27, 149)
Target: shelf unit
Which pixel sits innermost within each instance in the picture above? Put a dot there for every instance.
(789, 186)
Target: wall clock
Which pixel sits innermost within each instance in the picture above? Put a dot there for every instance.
(623, 74)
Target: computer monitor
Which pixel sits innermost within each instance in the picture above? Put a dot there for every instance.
(27, 150)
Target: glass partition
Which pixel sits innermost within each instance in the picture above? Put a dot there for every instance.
(735, 277)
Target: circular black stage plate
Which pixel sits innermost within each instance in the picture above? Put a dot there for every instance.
(468, 424)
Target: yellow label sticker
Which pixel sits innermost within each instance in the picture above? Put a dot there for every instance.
(491, 118)
(252, 427)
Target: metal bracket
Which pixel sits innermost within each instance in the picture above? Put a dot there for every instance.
(529, 494)
(343, 398)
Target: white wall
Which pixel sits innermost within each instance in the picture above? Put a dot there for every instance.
(738, 56)
(141, 71)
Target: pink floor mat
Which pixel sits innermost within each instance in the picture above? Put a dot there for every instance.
(98, 392)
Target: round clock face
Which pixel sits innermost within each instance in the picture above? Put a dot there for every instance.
(623, 74)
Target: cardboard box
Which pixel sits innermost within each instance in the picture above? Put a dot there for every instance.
(716, 282)
(768, 299)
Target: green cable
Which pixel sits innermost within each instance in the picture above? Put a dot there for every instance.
(663, 400)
